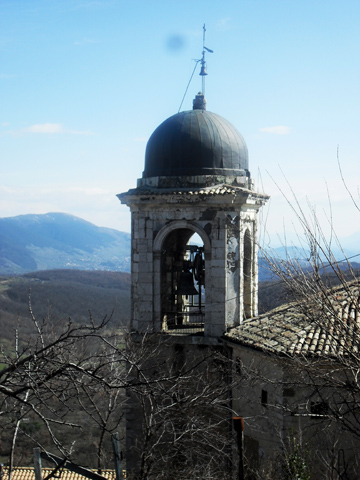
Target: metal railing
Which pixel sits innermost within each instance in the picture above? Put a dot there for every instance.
(184, 323)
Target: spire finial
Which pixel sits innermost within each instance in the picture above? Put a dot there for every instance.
(199, 102)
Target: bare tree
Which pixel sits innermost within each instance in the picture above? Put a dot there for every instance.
(180, 403)
(58, 382)
(72, 382)
(325, 294)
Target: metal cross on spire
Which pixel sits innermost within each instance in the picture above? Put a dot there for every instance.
(203, 71)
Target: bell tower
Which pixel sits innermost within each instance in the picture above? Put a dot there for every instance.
(194, 228)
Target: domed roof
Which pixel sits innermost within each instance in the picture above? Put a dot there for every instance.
(196, 142)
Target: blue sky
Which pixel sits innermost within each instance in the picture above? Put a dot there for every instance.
(84, 83)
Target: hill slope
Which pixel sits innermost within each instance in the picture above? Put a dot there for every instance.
(62, 294)
(58, 240)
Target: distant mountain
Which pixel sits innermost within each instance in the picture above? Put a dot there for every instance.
(341, 248)
(285, 258)
(29, 243)
(350, 246)
(57, 240)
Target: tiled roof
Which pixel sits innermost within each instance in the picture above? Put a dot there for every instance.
(27, 473)
(296, 329)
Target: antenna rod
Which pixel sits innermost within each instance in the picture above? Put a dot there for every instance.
(203, 71)
(203, 61)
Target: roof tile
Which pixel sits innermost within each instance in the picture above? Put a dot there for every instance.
(27, 473)
(293, 330)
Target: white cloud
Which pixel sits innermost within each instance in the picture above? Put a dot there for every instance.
(277, 130)
(45, 128)
(49, 128)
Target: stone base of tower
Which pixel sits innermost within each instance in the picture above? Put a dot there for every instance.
(178, 416)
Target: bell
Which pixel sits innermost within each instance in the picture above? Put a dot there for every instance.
(186, 284)
(203, 71)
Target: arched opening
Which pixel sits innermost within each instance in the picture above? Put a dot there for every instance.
(182, 284)
(247, 270)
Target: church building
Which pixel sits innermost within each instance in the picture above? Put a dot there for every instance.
(194, 235)
(194, 270)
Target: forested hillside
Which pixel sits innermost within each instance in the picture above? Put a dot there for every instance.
(62, 294)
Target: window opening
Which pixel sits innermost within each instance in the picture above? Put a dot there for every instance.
(264, 398)
(319, 409)
(247, 270)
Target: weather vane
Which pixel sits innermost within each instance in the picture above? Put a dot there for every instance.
(203, 71)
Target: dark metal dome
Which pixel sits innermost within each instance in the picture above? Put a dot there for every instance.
(196, 142)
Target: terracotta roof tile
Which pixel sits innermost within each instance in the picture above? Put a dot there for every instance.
(27, 473)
